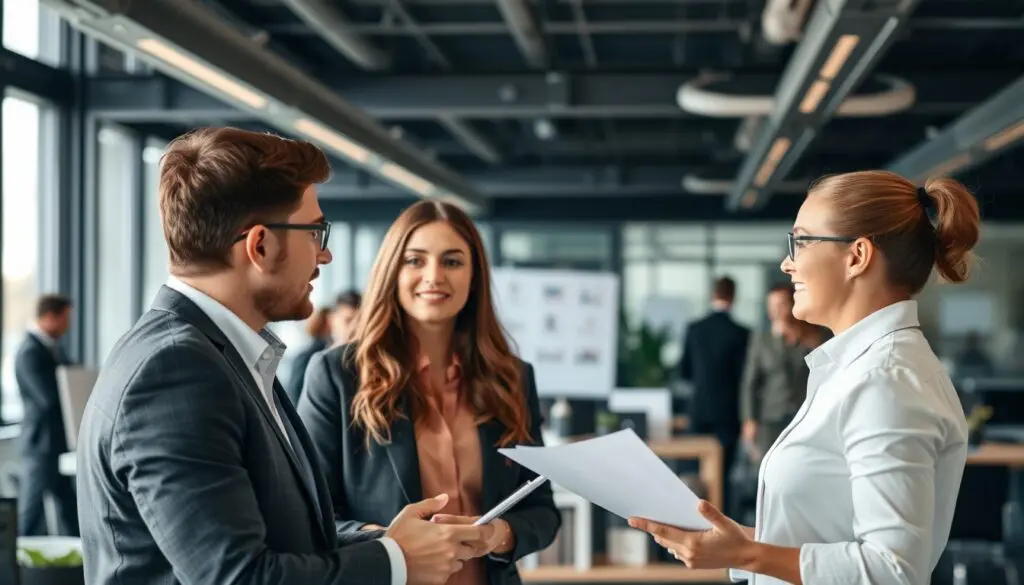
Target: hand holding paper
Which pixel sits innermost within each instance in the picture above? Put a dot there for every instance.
(621, 474)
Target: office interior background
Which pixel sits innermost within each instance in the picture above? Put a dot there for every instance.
(667, 142)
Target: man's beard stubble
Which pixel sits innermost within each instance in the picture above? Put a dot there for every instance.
(284, 302)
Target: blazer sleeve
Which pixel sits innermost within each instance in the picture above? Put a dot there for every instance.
(535, 521)
(178, 440)
(686, 363)
(320, 411)
(37, 378)
(750, 384)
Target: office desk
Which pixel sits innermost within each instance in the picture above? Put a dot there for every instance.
(997, 454)
(654, 573)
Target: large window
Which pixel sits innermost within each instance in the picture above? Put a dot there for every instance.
(116, 215)
(32, 30)
(154, 246)
(22, 121)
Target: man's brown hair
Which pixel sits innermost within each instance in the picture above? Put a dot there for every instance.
(52, 304)
(217, 182)
(724, 289)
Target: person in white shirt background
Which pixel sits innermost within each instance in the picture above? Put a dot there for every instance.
(862, 485)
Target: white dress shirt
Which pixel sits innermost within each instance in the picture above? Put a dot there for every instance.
(864, 480)
(262, 352)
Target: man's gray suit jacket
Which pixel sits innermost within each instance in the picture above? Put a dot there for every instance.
(184, 477)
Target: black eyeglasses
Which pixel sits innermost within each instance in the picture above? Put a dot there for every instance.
(793, 239)
(320, 231)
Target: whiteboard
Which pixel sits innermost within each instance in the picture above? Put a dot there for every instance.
(565, 323)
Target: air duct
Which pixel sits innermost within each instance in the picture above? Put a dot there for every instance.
(986, 130)
(697, 97)
(782, 21)
(843, 41)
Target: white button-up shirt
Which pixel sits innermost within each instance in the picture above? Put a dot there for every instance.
(262, 352)
(864, 480)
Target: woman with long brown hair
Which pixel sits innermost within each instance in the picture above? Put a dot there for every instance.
(426, 394)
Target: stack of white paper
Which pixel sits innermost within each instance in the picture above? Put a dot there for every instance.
(619, 473)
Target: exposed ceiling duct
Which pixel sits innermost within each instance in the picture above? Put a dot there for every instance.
(189, 42)
(983, 132)
(697, 97)
(842, 42)
(782, 21)
(697, 185)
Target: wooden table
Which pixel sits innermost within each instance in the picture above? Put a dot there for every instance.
(654, 573)
(997, 455)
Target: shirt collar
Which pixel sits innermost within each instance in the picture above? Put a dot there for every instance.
(846, 347)
(453, 372)
(43, 337)
(251, 345)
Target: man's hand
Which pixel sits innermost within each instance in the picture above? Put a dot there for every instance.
(434, 551)
(502, 542)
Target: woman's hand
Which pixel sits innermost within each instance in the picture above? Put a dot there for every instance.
(502, 542)
(725, 545)
(371, 527)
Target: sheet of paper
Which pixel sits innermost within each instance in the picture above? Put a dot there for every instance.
(619, 473)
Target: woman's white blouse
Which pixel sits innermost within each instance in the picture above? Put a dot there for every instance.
(865, 479)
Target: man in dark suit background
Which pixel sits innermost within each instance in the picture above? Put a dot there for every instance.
(714, 353)
(42, 439)
(193, 466)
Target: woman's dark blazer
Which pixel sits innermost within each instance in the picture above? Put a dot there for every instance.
(372, 487)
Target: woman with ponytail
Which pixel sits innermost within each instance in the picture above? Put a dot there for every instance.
(862, 484)
(418, 404)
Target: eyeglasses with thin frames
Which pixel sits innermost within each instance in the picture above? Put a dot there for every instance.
(794, 238)
(321, 231)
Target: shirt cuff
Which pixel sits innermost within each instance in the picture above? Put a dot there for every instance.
(398, 570)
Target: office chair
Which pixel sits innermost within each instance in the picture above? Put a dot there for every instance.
(983, 519)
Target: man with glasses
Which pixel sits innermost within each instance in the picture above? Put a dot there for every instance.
(193, 466)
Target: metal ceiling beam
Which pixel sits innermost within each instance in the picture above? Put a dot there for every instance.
(540, 182)
(327, 22)
(187, 41)
(982, 133)
(580, 95)
(560, 28)
(472, 140)
(683, 208)
(843, 41)
(523, 24)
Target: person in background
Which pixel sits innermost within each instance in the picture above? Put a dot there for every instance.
(774, 380)
(420, 401)
(862, 486)
(973, 361)
(318, 330)
(345, 317)
(193, 466)
(714, 352)
(43, 439)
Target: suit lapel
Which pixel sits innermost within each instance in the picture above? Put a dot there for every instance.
(313, 481)
(172, 301)
(493, 463)
(404, 459)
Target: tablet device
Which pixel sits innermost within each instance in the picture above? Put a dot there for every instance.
(506, 504)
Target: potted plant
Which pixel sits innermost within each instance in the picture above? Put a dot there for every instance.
(640, 356)
(50, 560)
(980, 414)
